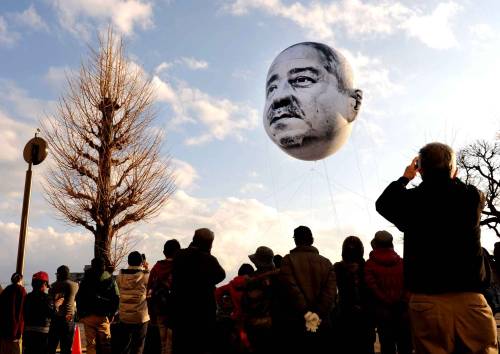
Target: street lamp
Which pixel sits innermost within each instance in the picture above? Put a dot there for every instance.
(34, 153)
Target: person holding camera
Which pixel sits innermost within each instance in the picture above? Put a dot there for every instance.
(443, 260)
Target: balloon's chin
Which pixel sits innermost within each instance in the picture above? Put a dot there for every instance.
(289, 132)
(311, 145)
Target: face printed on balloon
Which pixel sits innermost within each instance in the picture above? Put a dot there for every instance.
(310, 102)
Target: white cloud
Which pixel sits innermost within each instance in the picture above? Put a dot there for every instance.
(162, 67)
(483, 32)
(46, 249)
(7, 37)
(189, 62)
(251, 188)
(243, 224)
(434, 29)
(194, 64)
(359, 18)
(185, 174)
(31, 18)
(56, 77)
(371, 76)
(79, 16)
(219, 117)
(11, 143)
(20, 102)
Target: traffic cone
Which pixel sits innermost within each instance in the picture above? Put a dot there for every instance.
(77, 344)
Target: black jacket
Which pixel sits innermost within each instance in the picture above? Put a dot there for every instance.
(97, 295)
(194, 276)
(440, 221)
(38, 312)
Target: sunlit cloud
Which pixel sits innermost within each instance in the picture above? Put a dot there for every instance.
(80, 16)
(219, 117)
(360, 19)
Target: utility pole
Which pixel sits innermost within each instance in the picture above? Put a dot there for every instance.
(34, 153)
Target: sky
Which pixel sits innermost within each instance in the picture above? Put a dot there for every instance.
(428, 70)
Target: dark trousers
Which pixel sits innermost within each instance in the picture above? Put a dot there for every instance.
(128, 338)
(61, 332)
(35, 342)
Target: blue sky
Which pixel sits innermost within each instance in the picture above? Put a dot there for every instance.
(428, 70)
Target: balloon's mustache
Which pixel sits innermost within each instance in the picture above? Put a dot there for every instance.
(287, 107)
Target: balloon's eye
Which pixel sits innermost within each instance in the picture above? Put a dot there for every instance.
(271, 89)
(302, 81)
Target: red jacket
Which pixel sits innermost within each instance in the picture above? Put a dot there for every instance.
(11, 312)
(384, 276)
(235, 288)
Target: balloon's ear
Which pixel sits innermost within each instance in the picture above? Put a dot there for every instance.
(356, 97)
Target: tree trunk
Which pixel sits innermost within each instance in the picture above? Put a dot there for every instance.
(102, 245)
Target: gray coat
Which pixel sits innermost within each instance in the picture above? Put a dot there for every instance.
(309, 281)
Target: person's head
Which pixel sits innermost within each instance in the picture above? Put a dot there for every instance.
(16, 278)
(352, 249)
(437, 161)
(302, 236)
(98, 265)
(277, 260)
(135, 259)
(263, 258)
(246, 269)
(382, 239)
(62, 273)
(40, 281)
(203, 239)
(310, 100)
(171, 247)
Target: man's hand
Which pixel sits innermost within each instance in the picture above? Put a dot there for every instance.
(412, 169)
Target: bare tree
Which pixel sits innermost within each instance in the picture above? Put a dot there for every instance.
(480, 166)
(108, 169)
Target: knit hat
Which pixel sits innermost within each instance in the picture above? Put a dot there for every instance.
(263, 257)
(41, 276)
(382, 239)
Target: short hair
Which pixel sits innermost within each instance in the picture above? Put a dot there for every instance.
(246, 269)
(303, 236)
(37, 284)
(437, 160)
(16, 278)
(171, 247)
(334, 62)
(63, 272)
(134, 259)
(98, 265)
(203, 239)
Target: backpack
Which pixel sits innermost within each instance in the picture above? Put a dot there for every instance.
(256, 302)
(161, 298)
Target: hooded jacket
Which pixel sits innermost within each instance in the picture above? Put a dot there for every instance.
(384, 276)
(132, 283)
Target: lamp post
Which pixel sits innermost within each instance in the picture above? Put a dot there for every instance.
(34, 153)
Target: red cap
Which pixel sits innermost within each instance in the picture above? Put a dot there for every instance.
(41, 276)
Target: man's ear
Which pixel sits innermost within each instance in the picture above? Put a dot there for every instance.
(356, 97)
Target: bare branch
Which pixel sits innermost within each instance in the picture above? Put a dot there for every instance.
(109, 170)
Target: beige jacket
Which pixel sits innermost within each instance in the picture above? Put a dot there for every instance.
(132, 283)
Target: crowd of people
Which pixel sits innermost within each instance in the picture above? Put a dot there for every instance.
(439, 298)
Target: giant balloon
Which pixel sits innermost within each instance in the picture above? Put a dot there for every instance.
(310, 101)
